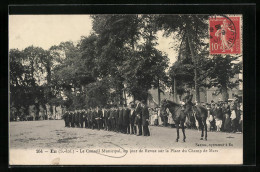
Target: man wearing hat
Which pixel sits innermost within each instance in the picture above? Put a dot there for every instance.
(65, 117)
(120, 119)
(72, 119)
(138, 118)
(126, 120)
(145, 119)
(116, 115)
(105, 118)
(98, 118)
(93, 115)
(85, 118)
(69, 118)
(226, 117)
(213, 113)
(218, 117)
(182, 105)
(112, 119)
(188, 97)
(77, 118)
(81, 118)
(89, 114)
(132, 119)
(109, 118)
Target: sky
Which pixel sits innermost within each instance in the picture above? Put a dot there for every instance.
(47, 30)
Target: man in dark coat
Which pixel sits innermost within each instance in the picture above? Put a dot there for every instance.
(89, 117)
(126, 120)
(132, 119)
(94, 118)
(106, 115)
(76, 118)
(138, 118)
(188, 97)
(120, 119)
(218, 117)
(65, 117)
(98, 118)
(108, 118)
(73, 119)
(69, 119)
(85, 118)
(111, 119)
(213, 113)
(116, 115)
(81, 121)
(226, 115)
(239, 114)
(145, 119)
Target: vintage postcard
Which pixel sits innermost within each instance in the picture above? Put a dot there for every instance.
(126, 89)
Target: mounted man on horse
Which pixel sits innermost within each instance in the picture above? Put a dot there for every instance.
(179, 113)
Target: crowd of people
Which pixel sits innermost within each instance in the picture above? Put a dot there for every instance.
(123, 119)
(222, 116)
(226, 116)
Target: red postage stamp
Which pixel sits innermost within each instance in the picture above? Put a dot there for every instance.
(225, 35)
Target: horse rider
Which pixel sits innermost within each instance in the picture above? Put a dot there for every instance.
(188, 97)
(182, 105)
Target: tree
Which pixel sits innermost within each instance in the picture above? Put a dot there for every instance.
(26, 77)
(117, 35)
(181, 74)
(17, 77)
(97, 94)
(141, 72)
(127, 47)
(71, 74)
(192, 28)
(222, 73)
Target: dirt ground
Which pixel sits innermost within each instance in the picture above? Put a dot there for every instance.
(52, 133)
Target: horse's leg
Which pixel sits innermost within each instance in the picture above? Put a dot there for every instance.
(202, 129)
(177, 129)
(205, 125)
(183, 131)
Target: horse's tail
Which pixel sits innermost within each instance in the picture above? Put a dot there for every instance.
(196, 121)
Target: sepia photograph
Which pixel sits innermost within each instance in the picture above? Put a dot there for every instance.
(126, 89)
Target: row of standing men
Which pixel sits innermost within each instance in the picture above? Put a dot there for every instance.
(128, 120)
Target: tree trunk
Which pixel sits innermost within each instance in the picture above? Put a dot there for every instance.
(159, 94)
(224, 93)
(125, 97)
(197, 92)
(175, 90)
(48, 75)
(37, 110)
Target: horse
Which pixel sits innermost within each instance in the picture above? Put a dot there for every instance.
(201, 114)
(179, 116)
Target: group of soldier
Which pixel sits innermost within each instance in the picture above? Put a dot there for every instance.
(128, 120)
